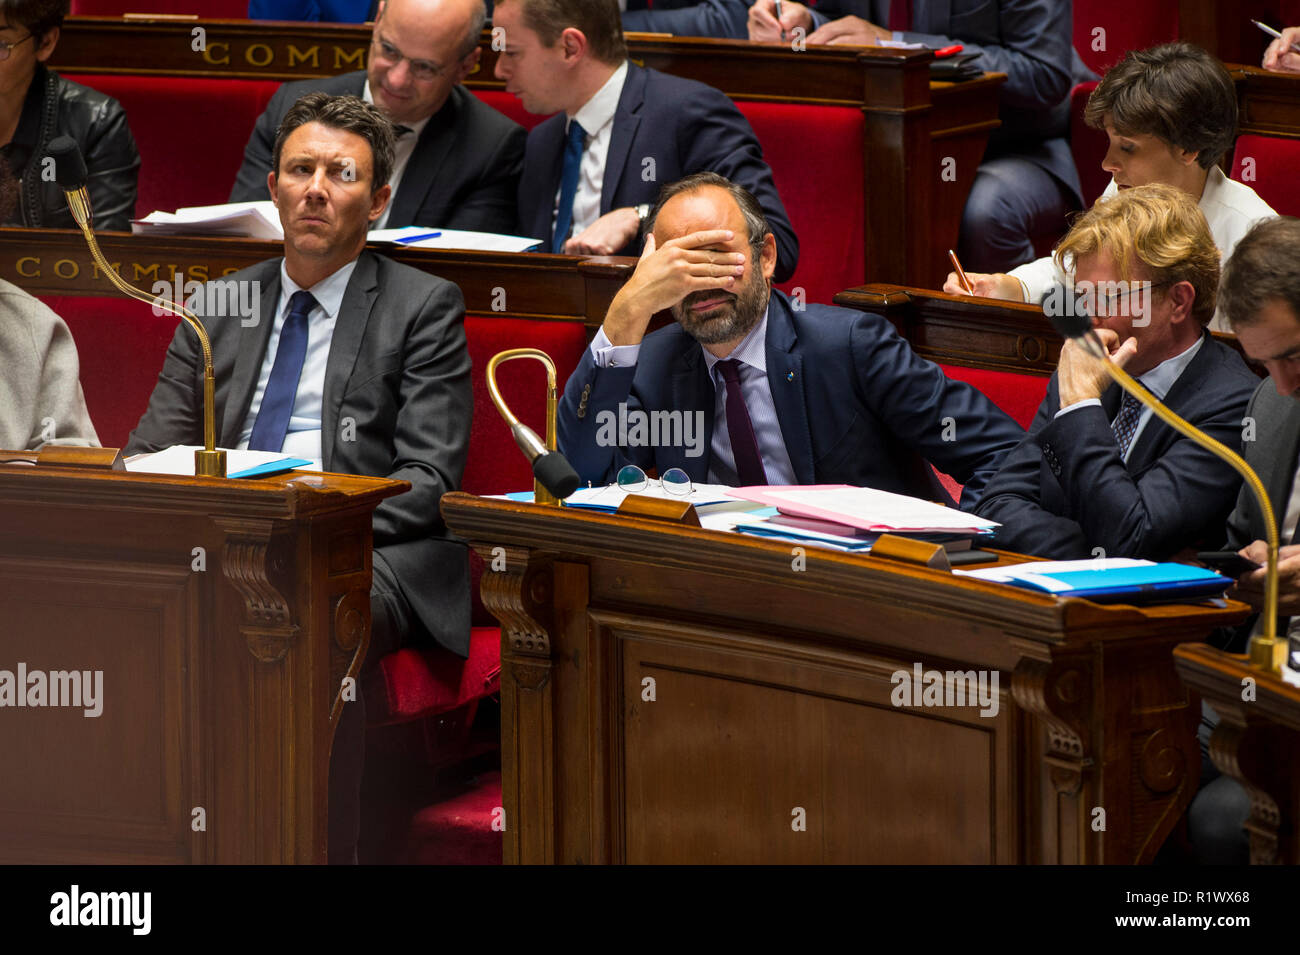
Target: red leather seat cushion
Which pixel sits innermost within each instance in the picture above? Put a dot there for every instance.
(1271, 166)
(414, 683)
(178, 165)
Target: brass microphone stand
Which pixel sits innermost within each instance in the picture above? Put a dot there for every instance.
(525, 436)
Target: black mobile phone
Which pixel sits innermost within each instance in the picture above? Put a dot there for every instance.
(1227, 562)
(957, 558)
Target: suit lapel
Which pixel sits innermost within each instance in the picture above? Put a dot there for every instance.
(248, 360)
(430, 152)
(345, 346)
(692, 392)
(550, 150)
(785, 379)
(626, 120)
(1280, 474)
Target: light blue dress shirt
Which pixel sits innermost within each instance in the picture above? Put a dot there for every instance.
(304, 437)
(752, 355)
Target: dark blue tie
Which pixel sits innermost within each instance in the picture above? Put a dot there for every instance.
(574, 144)
(272, 422)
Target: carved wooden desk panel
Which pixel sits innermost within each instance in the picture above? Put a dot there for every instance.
(1257, 743)
(223, 616)
(767, 730)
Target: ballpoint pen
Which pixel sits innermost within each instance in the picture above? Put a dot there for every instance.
(778, 17)
(961, 273)
(1275, 34)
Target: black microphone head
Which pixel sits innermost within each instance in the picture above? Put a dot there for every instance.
(555, 473)
(1063, 308)
(69, 166)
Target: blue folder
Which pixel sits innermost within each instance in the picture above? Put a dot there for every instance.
(1149, 583)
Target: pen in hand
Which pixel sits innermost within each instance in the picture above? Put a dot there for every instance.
(961, 273)
(1275, 34)
(778, 18)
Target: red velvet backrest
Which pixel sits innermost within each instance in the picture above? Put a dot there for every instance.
(206, 9)
(1271, 166)
(1016, 394)
(511, 106)
(821, 188)
(121, 345)
(190, 133)
(1088, 146)
(1125, 25)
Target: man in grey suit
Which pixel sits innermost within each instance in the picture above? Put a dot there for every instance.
(352, 359)
(1027, 183)
(1260, 295)
(457, 160)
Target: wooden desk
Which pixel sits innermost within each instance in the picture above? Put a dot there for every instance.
(1267, 103)
(1256, 743)
(912, 196)
(772, 674)
(221, 681)
(565, 287)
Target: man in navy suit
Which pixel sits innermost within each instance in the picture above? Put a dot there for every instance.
(457, 161)
(1027, 183)
(1097, 474)
(773, 392)
(591, 172)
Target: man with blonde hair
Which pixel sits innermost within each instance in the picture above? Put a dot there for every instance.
(1096, 475)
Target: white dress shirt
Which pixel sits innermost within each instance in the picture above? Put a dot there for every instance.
(304, 437)
(1158, 381)
(1230, 208)
(597, 120)
(402, 150)
(751, 352)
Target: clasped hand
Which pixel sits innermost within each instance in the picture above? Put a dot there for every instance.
(1080, 376)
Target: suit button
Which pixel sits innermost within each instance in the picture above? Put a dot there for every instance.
(582, 405)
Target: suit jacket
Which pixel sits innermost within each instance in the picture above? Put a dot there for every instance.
(685, 127)
(462, 174)
(1066, 490)
(855, 405)
(397, 403)
(1029, 40)
(1272, 452)
(40, 391)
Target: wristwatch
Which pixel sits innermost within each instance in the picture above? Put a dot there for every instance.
(643, 212)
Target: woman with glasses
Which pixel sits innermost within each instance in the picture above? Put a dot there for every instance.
(37, 105)
(1170, 113)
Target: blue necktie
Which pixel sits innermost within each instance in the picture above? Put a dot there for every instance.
(1126, 422)
(272, 422)
(575, 143)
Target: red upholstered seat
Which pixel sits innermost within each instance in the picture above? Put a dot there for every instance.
(1016, 394)
(1126, 26)
(178, 166)
(1271, 166)
(207, 9)
(417, 683)
(121, 345)
(1088, 146)
(511, 106)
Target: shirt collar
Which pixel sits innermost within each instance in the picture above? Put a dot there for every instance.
(328, 292)
(752, 349)
(598, 112)
(416, 127)
(1161, 378)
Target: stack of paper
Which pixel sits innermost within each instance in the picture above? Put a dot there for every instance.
(1109, 579)
(179, 459)
(254, 220)
(866, 509)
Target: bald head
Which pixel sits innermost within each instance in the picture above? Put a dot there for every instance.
(419, 51)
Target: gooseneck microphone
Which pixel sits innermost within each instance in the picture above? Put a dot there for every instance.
(70, 174)
(554, 477)
(1267, 651)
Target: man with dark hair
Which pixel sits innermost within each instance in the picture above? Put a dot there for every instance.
(1170, 113)
(1260, 296)
(457, 159)
(591, 172)
(1098, 474)
(1027, 182)
(782, 394)
(37, 105)
(352, 360)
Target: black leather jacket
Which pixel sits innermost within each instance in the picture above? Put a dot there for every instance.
(98, 123)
